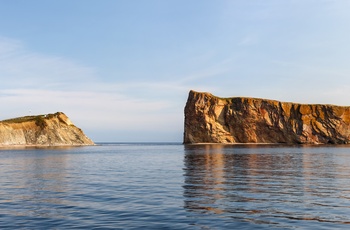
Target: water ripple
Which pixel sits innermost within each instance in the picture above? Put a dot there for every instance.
(171, 186)
(281, 187)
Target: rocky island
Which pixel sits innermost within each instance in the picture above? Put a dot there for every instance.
(42, 130)
(211, 119)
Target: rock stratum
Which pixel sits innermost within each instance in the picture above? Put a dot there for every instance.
(42, 130)
(211, 119)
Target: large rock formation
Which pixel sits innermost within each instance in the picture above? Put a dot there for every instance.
(43, 130)
(210, 119)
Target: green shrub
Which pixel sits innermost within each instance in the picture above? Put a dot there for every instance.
(40, 121)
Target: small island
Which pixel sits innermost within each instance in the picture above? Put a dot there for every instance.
(211, 119)
(42, 130)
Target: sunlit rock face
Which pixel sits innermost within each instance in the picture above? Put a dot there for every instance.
(210, 119)
(42, 130)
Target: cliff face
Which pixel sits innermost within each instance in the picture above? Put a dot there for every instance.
(210, 119)
(43, 130)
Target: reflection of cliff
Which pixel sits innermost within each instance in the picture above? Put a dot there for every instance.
(37, 183)
(234, 179)
(204, 173)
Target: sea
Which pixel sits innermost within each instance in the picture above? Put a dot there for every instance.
(175, 186)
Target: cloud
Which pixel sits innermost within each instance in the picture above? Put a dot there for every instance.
(93, 110)
(8, 46)
(22, 68)
(38, 84)
(248, 41)
(103, 116)
(214, 70)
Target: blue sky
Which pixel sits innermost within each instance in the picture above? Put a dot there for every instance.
(122, 69)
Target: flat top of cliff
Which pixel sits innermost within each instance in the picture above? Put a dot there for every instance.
(22, 119)
(194, 93)
(33, 118)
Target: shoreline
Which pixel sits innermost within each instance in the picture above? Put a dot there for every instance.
(19, 146)
(273, 144)
(208, 143)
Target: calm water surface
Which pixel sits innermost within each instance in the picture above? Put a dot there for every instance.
(172, 186)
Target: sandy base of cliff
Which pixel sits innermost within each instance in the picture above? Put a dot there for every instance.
(204, 143)
(266, 144)
(19, 146)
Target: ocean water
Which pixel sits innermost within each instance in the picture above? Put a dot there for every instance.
(174, 186)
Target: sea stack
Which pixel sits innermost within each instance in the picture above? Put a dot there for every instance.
(211, 119)
(42, 130)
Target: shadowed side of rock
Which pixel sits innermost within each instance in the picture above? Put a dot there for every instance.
(210, 119)
(42, 130)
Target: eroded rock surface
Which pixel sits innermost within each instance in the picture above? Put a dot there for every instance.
(210, 119)
(43, 130)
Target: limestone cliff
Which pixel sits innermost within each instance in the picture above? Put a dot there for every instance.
(210, 119)
(43, 130)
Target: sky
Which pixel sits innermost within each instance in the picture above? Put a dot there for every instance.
(121, 70)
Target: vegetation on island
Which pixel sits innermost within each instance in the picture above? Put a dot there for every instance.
(23, 119)
(38, 119)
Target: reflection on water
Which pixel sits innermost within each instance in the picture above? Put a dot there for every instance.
(32, 182)
(265, 184)
(204, 177)
(171, 186)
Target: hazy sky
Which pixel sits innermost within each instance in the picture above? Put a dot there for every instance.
(122, 69)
